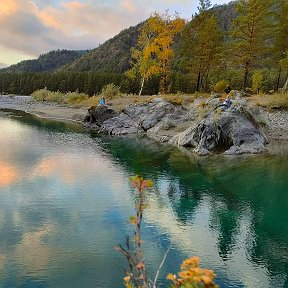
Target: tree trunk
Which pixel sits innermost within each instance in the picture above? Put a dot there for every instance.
(198, 81)
(246, 71)
(285, 87)
(141, 88)
(278, 79)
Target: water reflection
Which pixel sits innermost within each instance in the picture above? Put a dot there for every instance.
(235, 206)
(65, 201)
(8, 174)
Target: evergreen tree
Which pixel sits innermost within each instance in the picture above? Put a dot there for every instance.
(281, 40)
(204, 5)
(201, 47)
(250, 34)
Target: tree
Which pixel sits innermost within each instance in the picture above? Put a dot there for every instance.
(281, 40)
(250, 33)
(204, 5)
(201, 46)
(153, 52)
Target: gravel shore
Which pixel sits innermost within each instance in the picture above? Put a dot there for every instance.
(42, 109)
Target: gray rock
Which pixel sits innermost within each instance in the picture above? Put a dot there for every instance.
(230, 132)
(120, 125)
(98, 115)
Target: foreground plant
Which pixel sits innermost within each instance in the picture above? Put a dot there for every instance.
(191, 275)
(137, 274)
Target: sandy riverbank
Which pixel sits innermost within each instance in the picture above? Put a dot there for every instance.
(42, 109)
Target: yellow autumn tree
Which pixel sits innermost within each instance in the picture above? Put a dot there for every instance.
(153, 52)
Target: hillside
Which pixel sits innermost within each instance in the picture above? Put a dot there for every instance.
(47, 62)
(112, 56)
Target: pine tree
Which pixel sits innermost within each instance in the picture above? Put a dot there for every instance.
(204, 5)
(201, 46)
(281, 40)
(250, 34)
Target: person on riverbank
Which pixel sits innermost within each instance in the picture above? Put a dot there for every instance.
(227, 89)
(102, 101)
(226, 104)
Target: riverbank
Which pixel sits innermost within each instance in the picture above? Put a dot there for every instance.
(178, 125)
(50, 110)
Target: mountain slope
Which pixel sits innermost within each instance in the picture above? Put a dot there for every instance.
(111, 56)
(46, 62)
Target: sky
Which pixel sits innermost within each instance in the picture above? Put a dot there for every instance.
(29, 28)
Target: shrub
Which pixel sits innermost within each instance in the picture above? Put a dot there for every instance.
(220, 86)
(40, 95)
(75, 97)
(46, 95)
(257, 81)
(110, 91)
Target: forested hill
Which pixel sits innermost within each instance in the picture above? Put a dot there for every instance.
(50, 61)
(226, 13)
(114, 54)
(111, 56)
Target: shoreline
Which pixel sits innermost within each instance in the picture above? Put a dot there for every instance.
(47, 110)
(275, 129)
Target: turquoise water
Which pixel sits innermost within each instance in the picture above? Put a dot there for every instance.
(65, 201)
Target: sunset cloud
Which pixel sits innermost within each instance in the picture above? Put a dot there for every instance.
(32, 27)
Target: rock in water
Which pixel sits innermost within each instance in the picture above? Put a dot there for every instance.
(230, 132)
(97, 115)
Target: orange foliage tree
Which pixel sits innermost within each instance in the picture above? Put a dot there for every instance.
(153, 52)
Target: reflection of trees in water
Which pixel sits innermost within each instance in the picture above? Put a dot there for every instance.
(268, 249)
(233, 189)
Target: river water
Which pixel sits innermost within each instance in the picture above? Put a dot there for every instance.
(65, 201)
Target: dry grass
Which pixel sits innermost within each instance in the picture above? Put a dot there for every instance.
(119, 101)
(274, 101)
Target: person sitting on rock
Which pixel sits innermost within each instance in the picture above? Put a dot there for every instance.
(226, 104)
(102, 101)
(227, 89)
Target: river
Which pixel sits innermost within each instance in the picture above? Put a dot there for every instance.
(65, 202)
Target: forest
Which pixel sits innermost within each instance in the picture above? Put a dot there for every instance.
(243, 44)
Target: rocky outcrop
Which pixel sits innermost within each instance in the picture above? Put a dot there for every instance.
(97, 115)
(228, 131)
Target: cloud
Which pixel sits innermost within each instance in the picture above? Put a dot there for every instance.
(32, 28)
(37, 26)
(3, 65)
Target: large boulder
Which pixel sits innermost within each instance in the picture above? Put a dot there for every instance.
(147, 115)
(99, 114)
(119, 125)
(138, 118)
(228, 131)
